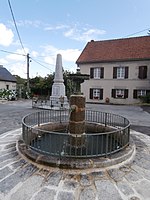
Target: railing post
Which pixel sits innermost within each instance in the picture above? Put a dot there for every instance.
(38, 118)
(105, 119)
(106, 149)
(60, 115)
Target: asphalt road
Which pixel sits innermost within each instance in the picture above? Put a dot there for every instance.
(12, 112)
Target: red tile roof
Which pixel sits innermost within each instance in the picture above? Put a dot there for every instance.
(137, 48)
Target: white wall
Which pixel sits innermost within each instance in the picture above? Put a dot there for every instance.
(108, 83)
(3, 85)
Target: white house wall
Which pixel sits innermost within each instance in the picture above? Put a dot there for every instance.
(11, 85)
(108, 83)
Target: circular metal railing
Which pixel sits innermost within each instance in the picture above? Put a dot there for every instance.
(60, 143)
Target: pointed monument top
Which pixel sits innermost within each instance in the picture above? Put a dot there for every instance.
(58, 69)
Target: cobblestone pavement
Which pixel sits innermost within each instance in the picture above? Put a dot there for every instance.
(22, 180)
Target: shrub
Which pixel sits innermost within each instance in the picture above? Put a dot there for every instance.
(145, 99)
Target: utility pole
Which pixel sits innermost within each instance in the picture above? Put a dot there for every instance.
(28, 84)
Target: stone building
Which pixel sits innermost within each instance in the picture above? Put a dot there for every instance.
(7, 80)
(119, 70)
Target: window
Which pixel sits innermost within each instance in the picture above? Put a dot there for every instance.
(142, 72)
(96, 93)
(7, 87)
(120, 93)
(97, 73)
(139, 93)
(120, 72)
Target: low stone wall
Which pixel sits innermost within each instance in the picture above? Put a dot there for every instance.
(63, 127)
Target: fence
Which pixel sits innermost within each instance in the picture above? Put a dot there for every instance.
(62, 144)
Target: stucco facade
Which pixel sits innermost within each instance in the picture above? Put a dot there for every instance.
(7, 85)
(108, 82)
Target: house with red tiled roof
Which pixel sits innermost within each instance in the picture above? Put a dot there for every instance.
(119, 70)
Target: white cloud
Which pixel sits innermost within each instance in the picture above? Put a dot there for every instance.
(83, 34)
(68, 55)
(19, 69)
(34, 54)
(6, 35)
(3, 61)
(50, 60)
(49, 49)
(78, 32)
(57, 27)
(69, 33)
(27, 23)
(18, 55)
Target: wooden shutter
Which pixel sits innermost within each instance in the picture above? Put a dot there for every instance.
(142, 72)
(91, 93)
(113, 93)
(101, 93)
(102, 72)
(147, 92)
(115, 72)
(91, 72)
(126, 72)
(134, 94)
(125, 93)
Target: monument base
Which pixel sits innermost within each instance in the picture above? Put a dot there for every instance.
(59, 102)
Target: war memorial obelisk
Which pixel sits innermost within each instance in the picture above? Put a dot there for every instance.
(58, 96)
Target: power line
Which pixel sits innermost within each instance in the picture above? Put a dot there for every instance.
(138, 32)
(40, 64)
(13, 53)
(16, 26)
(43, 62)
(37, 61)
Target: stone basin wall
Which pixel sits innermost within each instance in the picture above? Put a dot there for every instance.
(63, 127)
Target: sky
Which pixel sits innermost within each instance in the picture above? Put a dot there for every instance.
(50, 27)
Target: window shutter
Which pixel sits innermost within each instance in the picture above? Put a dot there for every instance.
(134, 94)
(115, 72)
(147, 92)
(125, 93)
(91, 93)
(142, 72)
(126, 72)
(101, 93)
(113, 93)
(102, 72)
(91, 72)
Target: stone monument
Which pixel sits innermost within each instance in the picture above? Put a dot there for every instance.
(58, 97)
